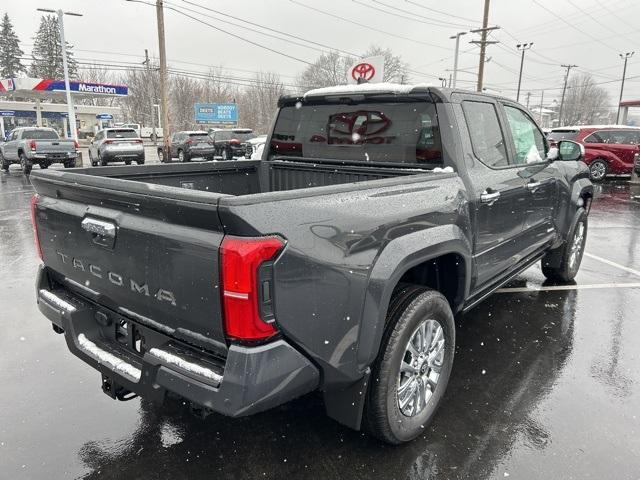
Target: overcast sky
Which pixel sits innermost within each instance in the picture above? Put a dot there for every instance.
(589, 33)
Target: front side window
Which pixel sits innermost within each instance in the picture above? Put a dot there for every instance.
(597, 137)
(485, 132)
(527, 138)
(373, 130)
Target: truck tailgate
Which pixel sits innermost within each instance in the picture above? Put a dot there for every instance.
(150, 254)
(54, 146)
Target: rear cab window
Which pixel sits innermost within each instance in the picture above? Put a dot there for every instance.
(39, 135)
(362, 129)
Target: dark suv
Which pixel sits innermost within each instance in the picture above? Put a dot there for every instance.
(231, 143)
(609, 149)
(189, 144)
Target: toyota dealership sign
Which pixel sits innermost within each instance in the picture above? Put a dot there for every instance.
(367, 69)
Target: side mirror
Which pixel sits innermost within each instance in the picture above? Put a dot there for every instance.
(570, 150)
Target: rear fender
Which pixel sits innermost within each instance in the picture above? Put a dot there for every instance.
(346, 405)
(397, 258)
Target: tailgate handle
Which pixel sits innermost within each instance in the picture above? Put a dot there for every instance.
(99, 227)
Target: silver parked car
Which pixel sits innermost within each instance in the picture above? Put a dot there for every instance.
(116, 145)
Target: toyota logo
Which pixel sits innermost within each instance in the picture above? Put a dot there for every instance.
(363, 70)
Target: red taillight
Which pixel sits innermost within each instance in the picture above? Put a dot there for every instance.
(189, 141)
(241, 258)
(139, 141)
(32, 145)
(34, 223)
(77, 145)
(235, 141)
(108, 141)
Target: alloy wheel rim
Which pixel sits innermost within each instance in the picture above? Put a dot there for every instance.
(576, 245)
(420, 367)
(598, 170)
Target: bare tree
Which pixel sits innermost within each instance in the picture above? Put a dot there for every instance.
(331, 68)
(96, 74)
(144, 86)
(257, 103)
(216, 87)
(184, 93)
(585, 102)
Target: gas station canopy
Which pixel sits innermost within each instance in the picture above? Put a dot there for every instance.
(49, 88)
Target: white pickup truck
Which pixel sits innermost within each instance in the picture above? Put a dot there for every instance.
(29, 146)
(144, 132)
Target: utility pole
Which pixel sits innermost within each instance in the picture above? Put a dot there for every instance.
(457, 36)
(71, 112)
(483, 42)
(564, 89)
(541, 107)
(528, 97)
(522, 47)
(147, 63)
(166, 132)
(625, 57)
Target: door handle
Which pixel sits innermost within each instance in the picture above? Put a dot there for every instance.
(489, 197)
(533, 185)
(99, 227)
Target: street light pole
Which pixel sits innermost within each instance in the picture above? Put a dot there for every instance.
(455, 58)
(65, 66)
(523, 47)
(625, 57)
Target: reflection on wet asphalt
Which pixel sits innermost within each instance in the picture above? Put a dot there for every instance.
(545, 385)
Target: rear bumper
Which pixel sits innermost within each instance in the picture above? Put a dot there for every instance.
(122, 154)
(51, 158)
(249, 380)
(202, 152)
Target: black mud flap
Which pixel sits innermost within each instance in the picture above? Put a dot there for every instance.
(115, 391)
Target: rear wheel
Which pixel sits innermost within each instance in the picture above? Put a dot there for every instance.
(140, 161)
(67, 164)
(26, 164)
(562, 264)
(412, 371)
(127, 162)
(44, 166)
(4, 163)
(103, 162)
(161, 155)
(598, 170)
(182, 157)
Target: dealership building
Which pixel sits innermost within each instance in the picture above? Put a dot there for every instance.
(26, 102)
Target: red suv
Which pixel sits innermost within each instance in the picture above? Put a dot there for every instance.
(608, 149)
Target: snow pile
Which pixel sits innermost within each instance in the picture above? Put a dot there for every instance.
(442, 170)
(57, 301)
(383, 87)
(107, 358)
(183, 364)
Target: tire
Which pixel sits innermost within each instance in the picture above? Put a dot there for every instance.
(103, 162)
(4, 163)
(68, 164)
(385, 418)
(140, 161)
(44, 166)
(153, 137)
(598, 170)
(26, 164)
(127, 162)
(182, 157)
(560, 264)
(225, 154)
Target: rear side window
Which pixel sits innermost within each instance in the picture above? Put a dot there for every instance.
(486, 135)
(367, 131)
(122, 134)
(39, 135)
(597, 137)
(527, 138)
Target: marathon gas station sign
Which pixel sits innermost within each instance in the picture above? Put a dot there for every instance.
(45, 85)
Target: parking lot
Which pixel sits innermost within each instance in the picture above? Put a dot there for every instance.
(546, 384)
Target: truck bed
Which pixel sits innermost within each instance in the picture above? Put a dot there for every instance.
(247, 177)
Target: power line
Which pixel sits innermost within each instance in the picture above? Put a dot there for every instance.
(425, 22)
(428, 19)
(431, 9)
(368, 27)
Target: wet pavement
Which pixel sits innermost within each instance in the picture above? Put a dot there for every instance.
(546, 384)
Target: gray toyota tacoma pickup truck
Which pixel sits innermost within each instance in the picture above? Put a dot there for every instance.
(42, 146)
(335, 263)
